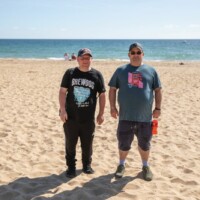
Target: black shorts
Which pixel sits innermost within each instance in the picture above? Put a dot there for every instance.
(126, 131)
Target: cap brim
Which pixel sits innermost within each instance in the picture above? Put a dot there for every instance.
(86, 54)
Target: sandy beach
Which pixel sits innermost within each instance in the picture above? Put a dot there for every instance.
(32, 163)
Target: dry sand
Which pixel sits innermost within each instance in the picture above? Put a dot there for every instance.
(32, 164)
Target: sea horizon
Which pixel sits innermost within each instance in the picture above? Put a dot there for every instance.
(102, 49)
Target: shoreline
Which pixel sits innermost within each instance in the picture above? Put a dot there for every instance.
(99, 60)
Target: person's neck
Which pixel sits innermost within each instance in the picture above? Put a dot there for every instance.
(136, 64)
(84, 69)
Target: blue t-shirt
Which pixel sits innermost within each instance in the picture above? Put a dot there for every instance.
(135, 94)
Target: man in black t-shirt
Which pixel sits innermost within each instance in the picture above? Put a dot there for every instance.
(80, 88)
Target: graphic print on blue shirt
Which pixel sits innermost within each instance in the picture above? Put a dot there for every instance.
(81, 94)
(135, 79)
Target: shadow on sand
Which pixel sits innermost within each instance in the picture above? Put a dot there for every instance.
(101, 188)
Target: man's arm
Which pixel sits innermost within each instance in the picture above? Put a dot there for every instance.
(62, 101)
(158, 99)
(102, 103)
(112, 98)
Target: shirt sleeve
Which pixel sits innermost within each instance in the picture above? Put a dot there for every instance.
(114, 81)
(65, 79)
(101, 86)
(156, 81)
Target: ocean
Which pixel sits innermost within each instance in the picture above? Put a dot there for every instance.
(102, 49)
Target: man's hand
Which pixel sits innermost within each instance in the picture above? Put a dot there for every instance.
(63, 115)
(114, 112)
(100, 119)
(156, 113)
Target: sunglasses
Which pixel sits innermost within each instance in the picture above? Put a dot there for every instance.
(138, 53)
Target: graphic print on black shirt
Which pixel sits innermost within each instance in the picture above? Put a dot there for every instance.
(81, 94)
(82, 91)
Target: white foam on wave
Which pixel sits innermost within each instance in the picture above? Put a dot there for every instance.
(53, 58)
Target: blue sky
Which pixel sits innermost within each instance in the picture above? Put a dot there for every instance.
(100, 19)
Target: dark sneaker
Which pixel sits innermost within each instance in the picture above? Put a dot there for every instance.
(147, 174)
(120, 171)
(71, 172)
(88, 169)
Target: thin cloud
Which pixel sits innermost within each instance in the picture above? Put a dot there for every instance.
(170, 26)
(63, 29)
(194, 25)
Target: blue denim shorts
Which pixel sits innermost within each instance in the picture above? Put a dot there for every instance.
(126, 131)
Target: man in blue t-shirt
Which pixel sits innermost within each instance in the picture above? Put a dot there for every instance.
(137, 84)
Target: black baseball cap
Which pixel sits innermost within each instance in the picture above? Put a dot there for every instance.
(136, 45)
(84, 51)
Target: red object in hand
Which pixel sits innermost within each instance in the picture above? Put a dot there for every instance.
(154, 126)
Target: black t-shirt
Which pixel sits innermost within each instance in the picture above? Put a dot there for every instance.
(82, 93)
